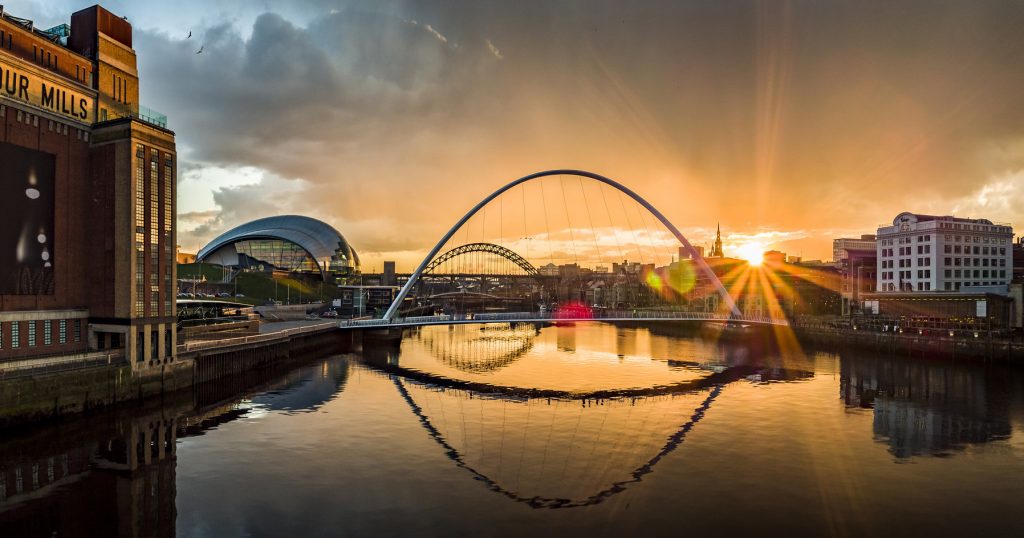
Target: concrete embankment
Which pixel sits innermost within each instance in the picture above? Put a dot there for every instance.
(913, 344)
(30, 397)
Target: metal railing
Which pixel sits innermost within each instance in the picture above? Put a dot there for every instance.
(610, 315)
(59, 364)
(256, 338)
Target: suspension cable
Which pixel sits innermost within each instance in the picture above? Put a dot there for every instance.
(615, 232)
(590, 218)
(547, 228)
(568, 219)
(630, 224)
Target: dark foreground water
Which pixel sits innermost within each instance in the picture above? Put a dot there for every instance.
(586, 430)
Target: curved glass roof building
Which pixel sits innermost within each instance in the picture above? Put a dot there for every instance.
(287, 242)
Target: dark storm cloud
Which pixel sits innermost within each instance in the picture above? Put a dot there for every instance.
(786, 115)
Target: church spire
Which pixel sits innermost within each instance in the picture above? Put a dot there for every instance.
(716, 251)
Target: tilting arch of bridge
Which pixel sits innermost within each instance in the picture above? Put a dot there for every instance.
(491, 248)
(694, 255)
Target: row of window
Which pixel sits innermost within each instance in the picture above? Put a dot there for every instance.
(977, 262)
(975, 227)
(974, 239)
(154, 345)
(927, 286)
(948, 273)
(956, 249)
(950, 238)
(927, 262)
(119, 87)
(976, 273)
(52, 126)
(907, 286)
(149, 201)
(908, 251)
(44, 57)
(46, 326)
(140, 229)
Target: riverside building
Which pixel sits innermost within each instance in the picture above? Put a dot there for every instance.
(88, 196)
(926, 253)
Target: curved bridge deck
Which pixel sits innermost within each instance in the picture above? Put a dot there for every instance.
(420, 321)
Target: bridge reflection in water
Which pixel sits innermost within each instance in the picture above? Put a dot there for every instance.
(560, 447)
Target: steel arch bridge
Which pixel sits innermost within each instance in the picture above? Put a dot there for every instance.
(489, 248)
(702, 266)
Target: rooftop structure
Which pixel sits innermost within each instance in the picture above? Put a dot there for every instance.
(288, 242)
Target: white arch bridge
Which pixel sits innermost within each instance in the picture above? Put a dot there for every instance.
(429, 262)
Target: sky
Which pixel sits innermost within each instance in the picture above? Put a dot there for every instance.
(790, 123)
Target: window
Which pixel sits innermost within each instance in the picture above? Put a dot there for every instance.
(31, 333)
(78, 330)
(140, 229)
(47, 332)
(62, 331)
(948, 273)
(15, 336)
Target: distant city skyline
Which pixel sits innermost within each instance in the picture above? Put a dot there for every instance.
(791, 124)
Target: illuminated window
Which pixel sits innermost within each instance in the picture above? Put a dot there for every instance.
(31, 333)
(62, 331)
(47, 333)
(15, 336)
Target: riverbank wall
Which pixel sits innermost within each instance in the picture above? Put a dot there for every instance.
(914, 344)
(51, 395)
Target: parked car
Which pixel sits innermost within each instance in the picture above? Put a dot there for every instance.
(329, 314)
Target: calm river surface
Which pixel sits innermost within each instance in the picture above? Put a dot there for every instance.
(512, 430)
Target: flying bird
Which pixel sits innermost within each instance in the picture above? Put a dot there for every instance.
(189, 35)
(200, 51)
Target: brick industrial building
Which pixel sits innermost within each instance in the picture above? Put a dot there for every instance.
(88, 189)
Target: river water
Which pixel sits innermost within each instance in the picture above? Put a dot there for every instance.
(510, 430)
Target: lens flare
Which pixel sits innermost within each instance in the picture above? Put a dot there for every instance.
(753, 253)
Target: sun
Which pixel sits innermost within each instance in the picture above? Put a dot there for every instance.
(753, 253)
